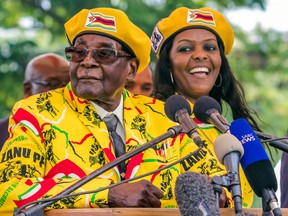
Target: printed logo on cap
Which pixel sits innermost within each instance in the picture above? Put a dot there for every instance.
(98, 20)
(200, 17)
(156, 39)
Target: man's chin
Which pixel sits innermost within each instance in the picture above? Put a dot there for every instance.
(86, 94)
(86, 91)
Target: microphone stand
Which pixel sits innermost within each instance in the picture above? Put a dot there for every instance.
(228, 181)
(282, 145)
(38, 210)
(270, 202)
(217, 187)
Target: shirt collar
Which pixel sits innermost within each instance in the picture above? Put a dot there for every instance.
(118, 111)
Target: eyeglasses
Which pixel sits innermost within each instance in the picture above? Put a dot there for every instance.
(51, 84)
(101, 55)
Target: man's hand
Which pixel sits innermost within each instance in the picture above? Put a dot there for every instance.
(138, 194)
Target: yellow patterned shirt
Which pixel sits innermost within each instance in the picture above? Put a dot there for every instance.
(57, 138)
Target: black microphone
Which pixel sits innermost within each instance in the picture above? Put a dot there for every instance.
(257, 166)
(229, 151)
(38, 209)
(208, 110)
(178, 110)
(194, 195)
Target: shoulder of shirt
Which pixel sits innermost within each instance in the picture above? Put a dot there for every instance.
(147, 100)
(33, 99)
(142, 98)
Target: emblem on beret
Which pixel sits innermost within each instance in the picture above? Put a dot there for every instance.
(156, 39)
(98, 20)
(200, 17)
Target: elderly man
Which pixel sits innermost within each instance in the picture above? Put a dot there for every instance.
(43, 73)
(63, 135)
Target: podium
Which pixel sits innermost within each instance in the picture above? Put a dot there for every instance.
(141, 212)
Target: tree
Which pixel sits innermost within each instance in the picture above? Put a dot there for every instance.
(32, 27)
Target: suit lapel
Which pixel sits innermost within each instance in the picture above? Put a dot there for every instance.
(90, 118)
(134, 120)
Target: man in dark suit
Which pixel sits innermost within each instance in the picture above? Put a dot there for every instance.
(43, 73)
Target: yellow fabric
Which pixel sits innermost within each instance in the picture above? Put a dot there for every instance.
(59, 138)
(185, 18)
(112, 23)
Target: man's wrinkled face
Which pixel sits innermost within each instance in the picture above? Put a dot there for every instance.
(101, 74)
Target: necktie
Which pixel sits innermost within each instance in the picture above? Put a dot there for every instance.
(111, 123)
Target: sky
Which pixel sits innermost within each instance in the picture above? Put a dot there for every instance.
(275, 16)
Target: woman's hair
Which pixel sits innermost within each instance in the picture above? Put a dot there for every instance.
(230, 90)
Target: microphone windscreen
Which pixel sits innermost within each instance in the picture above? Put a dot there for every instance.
(175, 103)
(194, 195)
(202, 105)
(226, 143)
(255, 162)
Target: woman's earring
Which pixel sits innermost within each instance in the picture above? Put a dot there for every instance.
(171, 76)
(220, 81)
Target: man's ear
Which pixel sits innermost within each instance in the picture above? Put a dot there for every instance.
(134, 63)
(27, 89)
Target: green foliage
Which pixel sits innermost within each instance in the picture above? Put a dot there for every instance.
(38, 28)
(260, 62)
(9, 94)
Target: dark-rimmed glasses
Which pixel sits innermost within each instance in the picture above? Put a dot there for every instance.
(101, 55)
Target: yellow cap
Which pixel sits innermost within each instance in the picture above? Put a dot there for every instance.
(185, 18)
(112, 23)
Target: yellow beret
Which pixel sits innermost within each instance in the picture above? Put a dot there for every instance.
(114, 24)
(185, 18)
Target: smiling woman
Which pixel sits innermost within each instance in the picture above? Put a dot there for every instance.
(196, 62)
(192, 45)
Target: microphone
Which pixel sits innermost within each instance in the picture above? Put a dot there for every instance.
(178, 110)
(229, 151)
(194, 195)
(208, 110)
(257, 166)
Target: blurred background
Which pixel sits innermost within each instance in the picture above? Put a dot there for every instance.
(259, 57)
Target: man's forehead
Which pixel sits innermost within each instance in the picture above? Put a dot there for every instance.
(96, 40)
